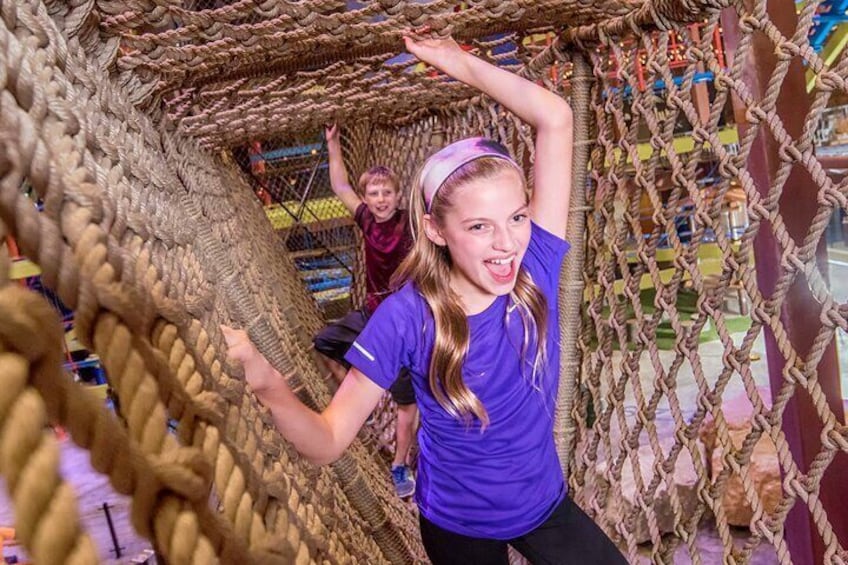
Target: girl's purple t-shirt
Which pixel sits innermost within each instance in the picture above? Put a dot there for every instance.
(504, 482)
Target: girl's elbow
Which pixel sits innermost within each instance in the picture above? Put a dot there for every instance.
(326, 458)
(321, 460)
(330, 449)
(560, 116)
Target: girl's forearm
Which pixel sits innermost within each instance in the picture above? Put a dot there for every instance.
(308, 431)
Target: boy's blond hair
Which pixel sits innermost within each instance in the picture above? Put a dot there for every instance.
(377, 175)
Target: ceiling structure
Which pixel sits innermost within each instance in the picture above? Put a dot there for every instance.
(227, 73)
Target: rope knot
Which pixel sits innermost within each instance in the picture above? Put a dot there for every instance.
(785, 50)
(28, 323)
(829, 81)
(667, 12)
(755, 115)
(184, 471)
(748, 24)
(788, 153)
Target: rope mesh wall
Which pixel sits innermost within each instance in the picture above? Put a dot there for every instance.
(635, 418)
(136, 129)
(143, 284)
(298, 47)
(290, 176)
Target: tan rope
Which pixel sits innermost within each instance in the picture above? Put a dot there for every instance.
(290, 37)
(46, 519)
(267, 339)
(616, 213)
(113, 363)
(571, 290)
(29, 452)
(154, 243)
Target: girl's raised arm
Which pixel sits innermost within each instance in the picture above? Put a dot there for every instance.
(546, 111)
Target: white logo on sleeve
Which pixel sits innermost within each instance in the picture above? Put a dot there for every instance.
(364, 351)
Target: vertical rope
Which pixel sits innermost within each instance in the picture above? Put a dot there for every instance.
(5, 256)
(571, 277)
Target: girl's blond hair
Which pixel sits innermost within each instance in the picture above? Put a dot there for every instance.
(428, 266)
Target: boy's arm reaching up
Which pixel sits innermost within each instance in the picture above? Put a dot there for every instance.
(546, 111)
(339, 181)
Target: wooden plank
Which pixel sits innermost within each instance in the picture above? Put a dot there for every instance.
(667, 254)
(23, 268)
(708, 267)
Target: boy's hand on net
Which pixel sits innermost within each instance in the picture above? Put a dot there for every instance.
(331, 133)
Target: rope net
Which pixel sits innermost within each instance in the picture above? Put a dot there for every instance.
(147, 129)
(654, 424)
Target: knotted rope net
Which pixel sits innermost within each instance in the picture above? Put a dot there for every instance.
(138, 125)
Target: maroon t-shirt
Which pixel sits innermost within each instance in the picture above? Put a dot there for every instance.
(386, 245)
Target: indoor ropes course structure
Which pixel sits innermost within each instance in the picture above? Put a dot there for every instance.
(124, 117)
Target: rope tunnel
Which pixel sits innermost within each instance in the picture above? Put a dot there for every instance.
(137, 134)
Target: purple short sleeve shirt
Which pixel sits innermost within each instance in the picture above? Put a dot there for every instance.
(506, 480)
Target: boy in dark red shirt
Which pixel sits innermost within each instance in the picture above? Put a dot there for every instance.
(388, 239)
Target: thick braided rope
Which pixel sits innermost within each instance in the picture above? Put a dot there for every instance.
(283, 39)
(571, 285)
(273, 483)
(48, 275)
(284, 42)
(212, 32)
(289, 321)
(270, 334)
(292, 363)
(39, 239)
(46, 518)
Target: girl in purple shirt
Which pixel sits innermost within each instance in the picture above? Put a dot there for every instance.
(475, 323)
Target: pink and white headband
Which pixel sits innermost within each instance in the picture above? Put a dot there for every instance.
(443, 163)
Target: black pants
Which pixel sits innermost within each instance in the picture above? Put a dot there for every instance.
(569, 536)
(335, 339)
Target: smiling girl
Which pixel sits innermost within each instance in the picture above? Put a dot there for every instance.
(474, 321)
